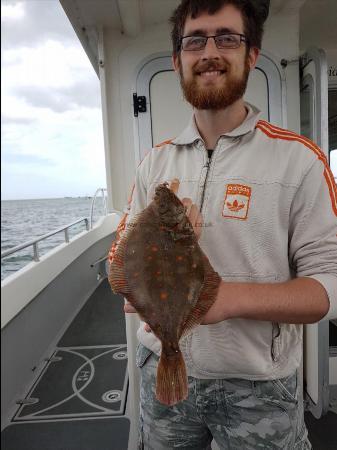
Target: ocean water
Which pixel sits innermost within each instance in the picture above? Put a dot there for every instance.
(24, 220)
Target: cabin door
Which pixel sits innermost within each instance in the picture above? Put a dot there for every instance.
(167, 113)
(314, 125)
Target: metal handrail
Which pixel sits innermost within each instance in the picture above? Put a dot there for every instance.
(93, 204)
(35, 242)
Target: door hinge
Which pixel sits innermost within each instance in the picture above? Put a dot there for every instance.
(139, 104)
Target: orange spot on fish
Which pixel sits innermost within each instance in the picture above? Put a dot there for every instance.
(163, 295)
(179, 258)
(154, 248)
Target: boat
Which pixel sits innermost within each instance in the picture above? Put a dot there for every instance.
(69, 379)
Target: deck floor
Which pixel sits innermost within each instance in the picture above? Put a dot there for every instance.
(78, 401)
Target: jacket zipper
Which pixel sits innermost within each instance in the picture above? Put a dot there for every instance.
(208, 163)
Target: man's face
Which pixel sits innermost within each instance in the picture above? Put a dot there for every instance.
(215, 78)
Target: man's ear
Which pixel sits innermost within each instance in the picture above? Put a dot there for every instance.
(175, 62)
(254, 53)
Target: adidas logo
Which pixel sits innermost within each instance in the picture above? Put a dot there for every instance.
(235, 206)
(237, 200)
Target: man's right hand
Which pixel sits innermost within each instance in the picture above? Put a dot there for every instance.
(192, 211)
(194, 216)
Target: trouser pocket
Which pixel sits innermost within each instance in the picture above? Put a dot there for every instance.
(142, 355)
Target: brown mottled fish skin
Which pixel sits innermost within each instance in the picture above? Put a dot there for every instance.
(161, 270)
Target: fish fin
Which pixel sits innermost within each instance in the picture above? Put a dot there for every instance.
(171, 386)
(206, 298)
(117, 278)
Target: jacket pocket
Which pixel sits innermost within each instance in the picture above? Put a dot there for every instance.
(142, 355)
(275, 341)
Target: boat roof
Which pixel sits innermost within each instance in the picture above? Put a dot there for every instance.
(131, 17)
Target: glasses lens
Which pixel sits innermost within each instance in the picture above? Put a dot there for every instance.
(194, 43)
(228, 41)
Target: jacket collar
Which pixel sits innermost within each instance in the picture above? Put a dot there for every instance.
(191, 133)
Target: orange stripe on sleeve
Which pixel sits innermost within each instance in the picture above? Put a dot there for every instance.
(164, 143)
(275, 132)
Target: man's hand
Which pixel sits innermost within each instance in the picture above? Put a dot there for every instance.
(192, 211)
(194, 216)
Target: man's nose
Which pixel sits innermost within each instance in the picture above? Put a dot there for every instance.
(211, 50)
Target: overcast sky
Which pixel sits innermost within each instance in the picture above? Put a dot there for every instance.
(52, 133)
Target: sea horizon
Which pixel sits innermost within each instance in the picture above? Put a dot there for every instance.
(45, 198)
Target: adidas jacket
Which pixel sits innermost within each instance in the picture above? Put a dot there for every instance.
(269, 204)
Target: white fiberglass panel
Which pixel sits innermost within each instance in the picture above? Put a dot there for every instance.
(169, 111)
(257, 92)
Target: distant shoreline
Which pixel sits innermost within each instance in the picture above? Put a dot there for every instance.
(88, 197)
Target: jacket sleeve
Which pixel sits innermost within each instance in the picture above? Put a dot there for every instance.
(313, 231)
(137, 201)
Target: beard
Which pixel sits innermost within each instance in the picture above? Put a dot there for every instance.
(212, 97)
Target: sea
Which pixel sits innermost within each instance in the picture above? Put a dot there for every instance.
(25, 220)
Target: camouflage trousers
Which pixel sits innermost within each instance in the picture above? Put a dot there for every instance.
(238, 414)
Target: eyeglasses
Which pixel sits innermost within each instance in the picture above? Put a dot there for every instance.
(222, 41)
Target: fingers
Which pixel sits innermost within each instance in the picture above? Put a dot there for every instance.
(194, 215)
(174, 185)
(187, 202)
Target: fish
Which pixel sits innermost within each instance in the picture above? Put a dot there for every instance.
(163, 273)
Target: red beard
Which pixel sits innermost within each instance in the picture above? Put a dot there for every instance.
(211, 97)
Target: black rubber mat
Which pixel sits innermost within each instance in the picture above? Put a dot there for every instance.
(79, 382)
(322, 432)
(93, 434)
(101, 321)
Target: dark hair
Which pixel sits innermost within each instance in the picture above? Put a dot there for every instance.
(254, 13)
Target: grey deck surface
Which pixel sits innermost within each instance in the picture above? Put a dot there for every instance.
(322, 432)
(101, 321)
(101, 434)
(79, 399)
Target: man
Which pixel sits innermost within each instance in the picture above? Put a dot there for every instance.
(269, 205)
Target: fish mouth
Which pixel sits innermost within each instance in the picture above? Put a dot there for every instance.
(169, 206)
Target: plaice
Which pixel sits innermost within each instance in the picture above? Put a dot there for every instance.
(162, 271)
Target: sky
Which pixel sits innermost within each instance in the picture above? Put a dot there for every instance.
(51, 123)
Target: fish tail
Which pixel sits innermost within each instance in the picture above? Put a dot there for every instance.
(171, 385)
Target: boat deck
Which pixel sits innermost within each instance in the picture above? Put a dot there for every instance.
(79, 400)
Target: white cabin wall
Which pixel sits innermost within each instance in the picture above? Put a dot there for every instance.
(123, 58)
(281, 39)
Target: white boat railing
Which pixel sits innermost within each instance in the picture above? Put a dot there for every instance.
(36, 241)
(102, 190)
